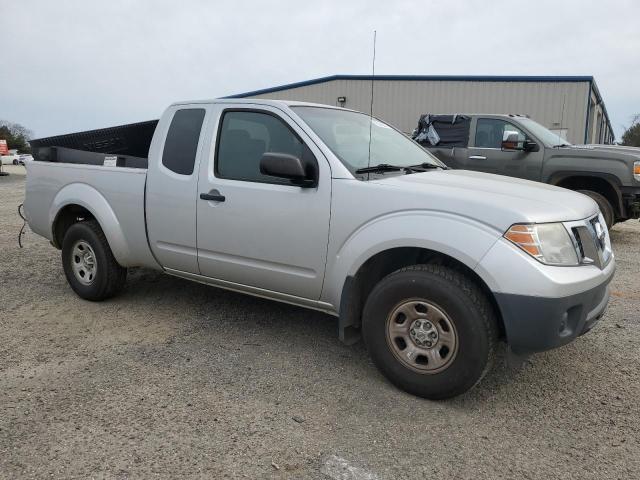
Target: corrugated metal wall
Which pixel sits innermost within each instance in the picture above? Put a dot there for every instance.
(401, 102)
(598, 131)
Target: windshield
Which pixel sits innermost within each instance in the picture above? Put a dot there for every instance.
(346, 133)
(543, 134)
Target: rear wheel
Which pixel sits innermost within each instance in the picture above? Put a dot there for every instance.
(89, 265)
(604, 205)
(430, 330)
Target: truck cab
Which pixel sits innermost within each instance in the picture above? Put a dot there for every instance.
(517, 146)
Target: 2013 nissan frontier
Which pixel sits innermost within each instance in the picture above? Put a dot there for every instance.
(333, 210)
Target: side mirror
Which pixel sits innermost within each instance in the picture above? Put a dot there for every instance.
(530, 146)
(511, 140)
(284, 165)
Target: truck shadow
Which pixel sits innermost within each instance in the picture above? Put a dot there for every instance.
(263, 333)
(219, 306)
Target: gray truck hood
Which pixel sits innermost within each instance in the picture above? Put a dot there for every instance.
(496, 200)
(635, 151)
(618, 152)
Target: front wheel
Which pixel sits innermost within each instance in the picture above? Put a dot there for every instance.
(430, 330)
(89, 265)
(604, 205)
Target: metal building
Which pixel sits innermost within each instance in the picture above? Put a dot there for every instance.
(571, 106)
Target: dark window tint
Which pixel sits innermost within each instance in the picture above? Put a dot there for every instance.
(182, 140)
(490, 132)
(245, 137)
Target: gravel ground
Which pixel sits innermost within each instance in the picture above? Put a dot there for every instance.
(175, 379)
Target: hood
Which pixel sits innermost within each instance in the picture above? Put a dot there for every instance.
(617, 151)
(615, 148)
(496, 200)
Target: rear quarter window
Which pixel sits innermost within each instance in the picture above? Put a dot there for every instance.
(181, 144)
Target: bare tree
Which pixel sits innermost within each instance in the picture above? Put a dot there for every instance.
(631, 136)
(16, 135)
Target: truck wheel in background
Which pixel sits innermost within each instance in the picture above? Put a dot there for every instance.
(604, 205)
(430, 330)
(88, 263)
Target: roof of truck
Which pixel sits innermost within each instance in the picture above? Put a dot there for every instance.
(260, 101)
(512, 115)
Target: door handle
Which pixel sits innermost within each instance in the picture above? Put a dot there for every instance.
(477, 157)
(213, 195)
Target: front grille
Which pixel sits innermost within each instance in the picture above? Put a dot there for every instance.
(591, 241)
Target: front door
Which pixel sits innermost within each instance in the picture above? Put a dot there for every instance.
(258, 230)
(485, 154)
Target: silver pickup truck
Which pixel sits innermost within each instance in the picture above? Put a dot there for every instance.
(332, 210)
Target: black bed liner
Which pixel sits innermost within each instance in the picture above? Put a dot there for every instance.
(127, 144)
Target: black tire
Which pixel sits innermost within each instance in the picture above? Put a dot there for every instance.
(467, 308)
(604, 205)
(15, 162)
(109, 277)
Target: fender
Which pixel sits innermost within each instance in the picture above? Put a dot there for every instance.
(91, 199)
(557, 177)
(462, 238)
(612, 180)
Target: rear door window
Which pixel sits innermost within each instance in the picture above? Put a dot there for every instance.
(490, 132)
(181, 144)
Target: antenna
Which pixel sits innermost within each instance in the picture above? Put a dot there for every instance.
(373, 73)
(564, 98)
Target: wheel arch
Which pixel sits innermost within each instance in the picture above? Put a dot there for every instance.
(602, 183)
(393, 241)
(359, 284)
(65, 218)
(79, 202)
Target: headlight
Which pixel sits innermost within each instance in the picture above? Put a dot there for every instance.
(546, 242)
(636, 170)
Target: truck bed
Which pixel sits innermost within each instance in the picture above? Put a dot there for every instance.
(122, 146)
(115, 195)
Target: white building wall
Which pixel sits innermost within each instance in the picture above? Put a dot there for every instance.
(401, 102)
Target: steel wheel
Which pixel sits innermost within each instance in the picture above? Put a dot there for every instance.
(422, 336)
(83, 262)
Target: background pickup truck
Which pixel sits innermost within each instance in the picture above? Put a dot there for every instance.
(333, 210)
(517, 146)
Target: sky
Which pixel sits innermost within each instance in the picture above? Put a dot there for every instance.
(70, 65)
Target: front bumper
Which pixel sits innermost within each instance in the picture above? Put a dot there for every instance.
(631, 201)
(534, 324)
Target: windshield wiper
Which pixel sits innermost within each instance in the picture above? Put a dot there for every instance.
(561, 145)
(381, 167)
(426, 166)
(385, 167)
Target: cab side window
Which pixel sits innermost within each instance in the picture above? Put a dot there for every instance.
(181, 144)
(245, 136)
(490, 132)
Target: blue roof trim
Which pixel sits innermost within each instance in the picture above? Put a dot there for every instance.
(460, 78)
